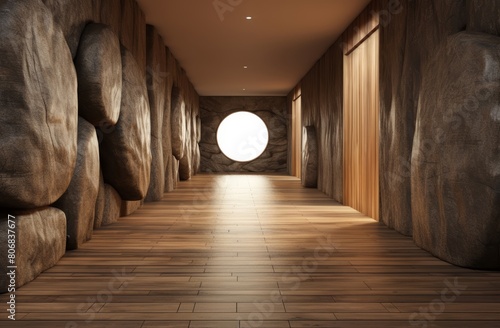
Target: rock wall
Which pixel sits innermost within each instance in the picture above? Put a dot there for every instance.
(439, 124)
(408, 39)
(272, 110)
(86, 122)
(40, 242)
(322, 107)
(440, 167)
(309, 157)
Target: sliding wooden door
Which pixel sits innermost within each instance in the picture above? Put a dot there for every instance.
(361, 126)
(296, 134)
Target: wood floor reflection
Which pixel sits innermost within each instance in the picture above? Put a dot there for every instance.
(254, 251)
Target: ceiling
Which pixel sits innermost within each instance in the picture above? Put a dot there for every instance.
(213, 40)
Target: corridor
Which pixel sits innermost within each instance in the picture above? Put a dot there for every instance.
(253, 251)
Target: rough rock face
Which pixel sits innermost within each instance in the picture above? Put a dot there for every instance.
(178, 118)
(100, 203)
(40, 243)
(124, 17)
(112, 206)
(166, 138)
(157, 88)
(309, 157)
(196, 159)
(99, 71)
(456, 153)
(272, 110)
(126, 150)
(482, 16)
(185, 167)
(79, 201)
(38, 100)
(132, 30)
(198, 128)
(175, 171)
(185, 163)
(322, 99)
(408, 39)
(129, 207)
(72, 16)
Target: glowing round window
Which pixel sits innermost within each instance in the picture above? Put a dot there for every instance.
(242, 136)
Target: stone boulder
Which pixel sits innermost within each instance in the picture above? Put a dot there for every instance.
(72, 16)
(79, 201)
(482, 16)
(186, 162)
(198, 128)
(157, 88)
(167, 139)
(40, 242)
(408, 40)
(129, 207)
(455, 159)
(99, 70)
(39, 105)
(185, 168)
(196, 159)
(100, 203)
(309, 157)
(178, 119)
(126, 149)
(112, 206)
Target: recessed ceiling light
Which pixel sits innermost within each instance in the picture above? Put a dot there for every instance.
(245, 67)
(244, 89)
(249, 17)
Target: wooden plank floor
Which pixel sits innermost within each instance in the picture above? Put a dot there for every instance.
(254, 251)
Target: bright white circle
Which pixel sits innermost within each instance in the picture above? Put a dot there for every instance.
(242, 136)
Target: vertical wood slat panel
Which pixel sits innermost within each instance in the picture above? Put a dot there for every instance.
(361, 127)
(296, 134)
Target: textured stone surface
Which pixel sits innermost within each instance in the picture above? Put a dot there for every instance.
(133, 31)
(456, 153)
(38, 100)
(128, 22)
(112, 206)
(99, 70)
(100, 203)
(167, 134)
(126, 150)
(408, 39)
(157, 88)
(482, 16)
(129, 207)
(186, 162)
(111, 15)
(72, 16)
(79, 201)
(272, 110)
(196, 159)
(309, 177)
(186, 167)
(178, 118)
(123, 16)
(40, 243)
(198, 128)
(322, 106)
(175, 171)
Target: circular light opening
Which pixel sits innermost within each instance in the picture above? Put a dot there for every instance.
(242, 136)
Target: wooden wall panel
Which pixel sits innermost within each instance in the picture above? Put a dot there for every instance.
(322, 101)
(296, 133)
(361, 127)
